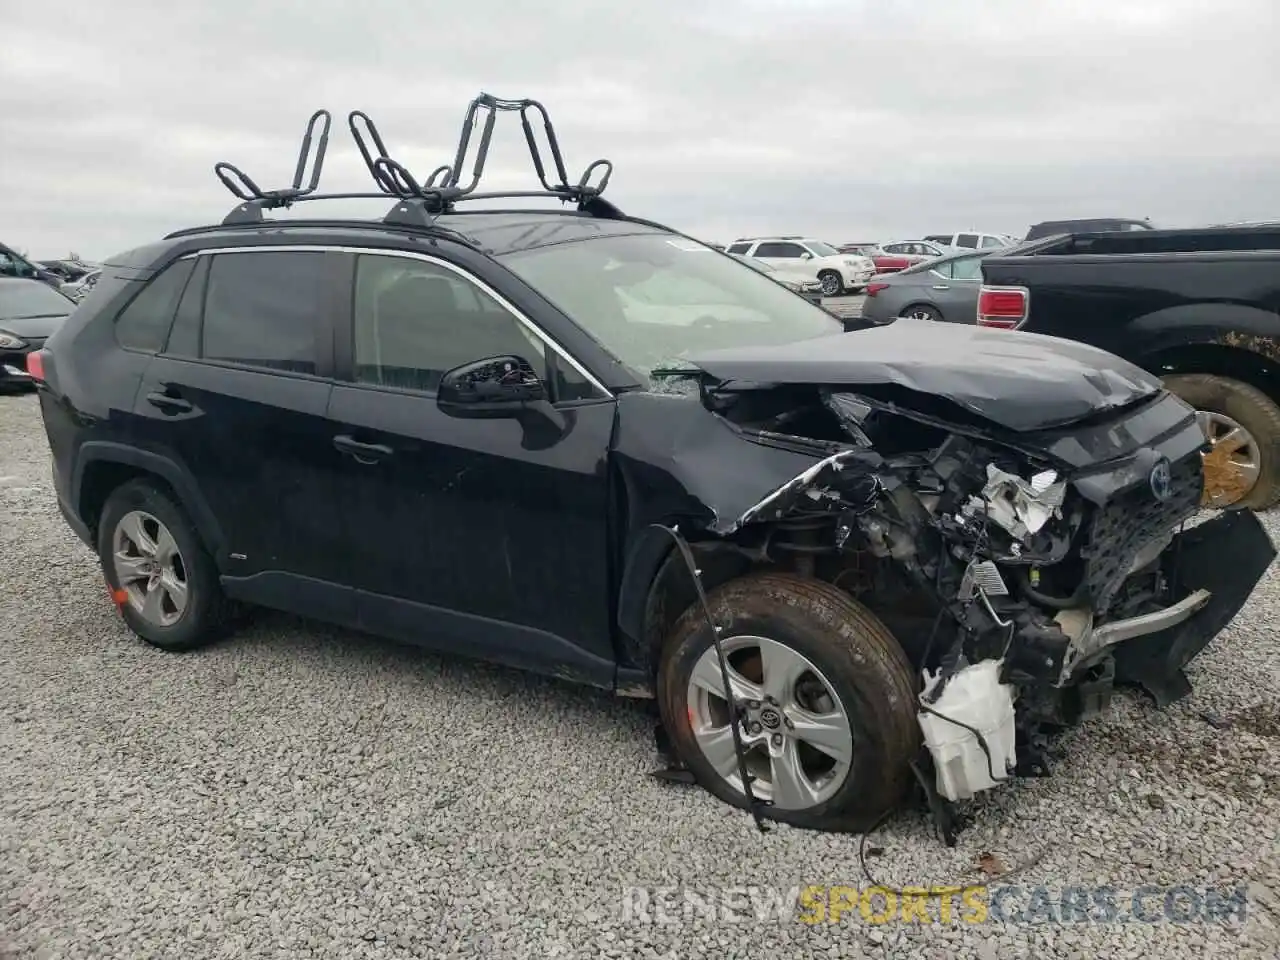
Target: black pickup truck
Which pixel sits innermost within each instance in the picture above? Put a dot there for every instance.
(1199, 308)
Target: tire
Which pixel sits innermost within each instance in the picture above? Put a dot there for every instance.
(923, 312)
(205, 614)
(832, 283)
(1258, 414)
(863, 666)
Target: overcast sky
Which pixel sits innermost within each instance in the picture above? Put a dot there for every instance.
(843, 119)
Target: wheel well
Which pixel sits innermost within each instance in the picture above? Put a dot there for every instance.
(876, 583)
(919, 303)
(1210, 358)
(672, 593)
(101, 478)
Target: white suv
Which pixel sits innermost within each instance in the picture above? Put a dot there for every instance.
(972, 240)
(838, 272)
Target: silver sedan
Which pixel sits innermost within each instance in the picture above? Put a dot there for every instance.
(945, 288)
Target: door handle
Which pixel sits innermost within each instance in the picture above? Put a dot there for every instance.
(168, 402)
(942, 286)
(362, 452)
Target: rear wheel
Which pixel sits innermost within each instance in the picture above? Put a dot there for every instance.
(922, 311)
(830, 697)
(1242, 471)
(159, 572)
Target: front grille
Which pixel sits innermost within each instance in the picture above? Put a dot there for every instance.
(1127, 523)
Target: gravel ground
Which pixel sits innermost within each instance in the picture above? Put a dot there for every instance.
(301, 791)
(845, 306)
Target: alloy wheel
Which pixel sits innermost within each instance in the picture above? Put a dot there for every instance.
(798, 737)
(149, 568)
(830, 285)
(1233, 464)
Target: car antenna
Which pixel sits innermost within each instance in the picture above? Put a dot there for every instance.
(737, 709)
(255, 198)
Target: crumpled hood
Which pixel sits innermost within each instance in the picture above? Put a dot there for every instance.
(1021, 381)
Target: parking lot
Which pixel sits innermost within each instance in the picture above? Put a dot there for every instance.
(301, 791)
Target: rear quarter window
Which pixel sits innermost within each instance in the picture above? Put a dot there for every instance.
(143, 324)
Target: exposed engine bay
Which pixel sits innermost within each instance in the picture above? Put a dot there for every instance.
(1021, 585)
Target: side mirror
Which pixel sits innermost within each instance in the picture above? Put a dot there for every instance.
(806, 256)
(490, 389)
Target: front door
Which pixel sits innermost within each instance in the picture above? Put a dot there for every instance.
(484, 537)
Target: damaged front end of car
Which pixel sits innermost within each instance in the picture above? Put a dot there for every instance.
(1025, 572)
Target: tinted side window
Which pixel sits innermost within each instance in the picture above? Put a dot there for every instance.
(265, 309)
(992, 242)
(184, 337)
(779, 250)
(144, 323)
(967, 240)
(415, 321)
(739, 247)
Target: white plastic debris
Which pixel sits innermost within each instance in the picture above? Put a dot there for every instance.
(975, 697)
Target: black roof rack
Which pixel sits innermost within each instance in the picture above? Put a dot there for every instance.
(420, 202)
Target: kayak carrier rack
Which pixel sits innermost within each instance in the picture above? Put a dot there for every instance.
(420, 202)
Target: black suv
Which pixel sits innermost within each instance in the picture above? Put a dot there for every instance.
(538, 436)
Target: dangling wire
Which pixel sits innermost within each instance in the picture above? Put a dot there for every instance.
(737, 711)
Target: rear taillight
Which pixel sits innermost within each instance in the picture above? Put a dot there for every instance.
(874, 288)
(35, 365)
(1003, 307)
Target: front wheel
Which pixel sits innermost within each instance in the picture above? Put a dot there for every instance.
(832, 283)
(830, 697)
(1242, 425)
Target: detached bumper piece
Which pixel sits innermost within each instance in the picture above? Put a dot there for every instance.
(1224, 557)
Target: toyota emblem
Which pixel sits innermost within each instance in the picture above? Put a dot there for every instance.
(1161, 480)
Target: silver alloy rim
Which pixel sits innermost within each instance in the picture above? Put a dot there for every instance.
(149, 568)
(798, 737)
(830, 284)
(1233, 465)
(919, 313)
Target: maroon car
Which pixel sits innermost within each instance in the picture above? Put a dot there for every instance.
(892, 257)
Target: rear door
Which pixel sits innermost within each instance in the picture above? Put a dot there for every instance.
(237, 398)
(955, 294)
(485, 537)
